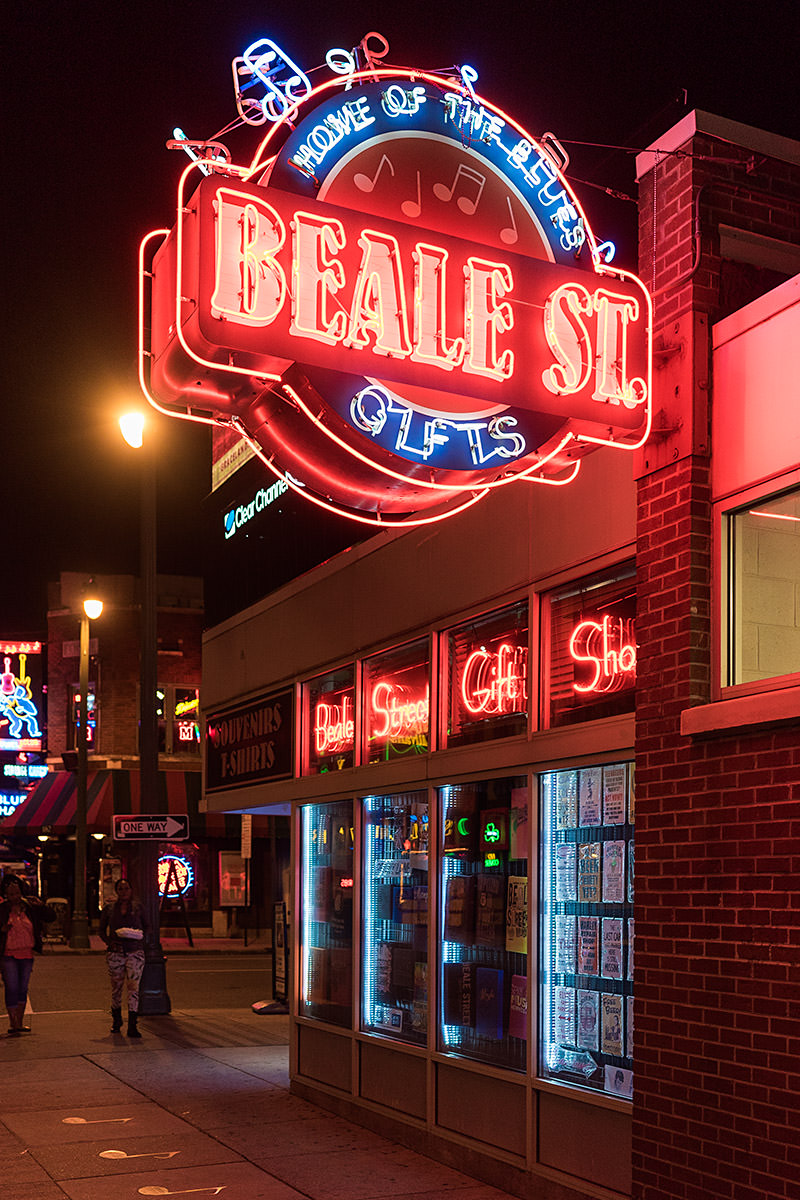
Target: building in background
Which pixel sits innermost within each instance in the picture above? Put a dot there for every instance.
(481, 727)
(206, 888)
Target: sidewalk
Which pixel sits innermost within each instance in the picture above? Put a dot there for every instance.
(175, 941)
(199, 1106)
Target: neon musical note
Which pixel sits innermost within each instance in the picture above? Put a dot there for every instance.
(412, 208)
(510, 234)
(467, 177)
(115, 1154)
(364, 183)
(157, 1189)
(105, 1121)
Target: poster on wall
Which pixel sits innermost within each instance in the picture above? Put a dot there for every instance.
(233, 880)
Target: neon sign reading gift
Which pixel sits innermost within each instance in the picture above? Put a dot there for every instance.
(608, 648)
(494, 683)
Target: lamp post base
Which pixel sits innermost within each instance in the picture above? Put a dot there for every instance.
(154, 999)
(79, 931)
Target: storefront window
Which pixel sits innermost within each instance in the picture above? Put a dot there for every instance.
(396, 703)
(764, 589)
(395, 916)
(589, 649)
(587, 927)
(484, 921)
(327, 907)
(178, 719)
(329, 707)
(488, 677)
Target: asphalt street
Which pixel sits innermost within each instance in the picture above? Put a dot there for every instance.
(79, 982)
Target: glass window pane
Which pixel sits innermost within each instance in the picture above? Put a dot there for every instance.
(396, 703)
(484, 921)
(395, 916)
(488, 677)
(327, 912)
(186, 721)
(764, 574)
(587, 927)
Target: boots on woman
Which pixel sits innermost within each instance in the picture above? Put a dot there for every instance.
(133, 1029)
(116, 1019)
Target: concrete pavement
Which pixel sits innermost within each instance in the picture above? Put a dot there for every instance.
(199, 1107)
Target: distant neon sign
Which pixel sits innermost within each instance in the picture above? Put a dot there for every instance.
(236, 518)
(400, 276)
(175, 875)
(608, 647)
(495, 682)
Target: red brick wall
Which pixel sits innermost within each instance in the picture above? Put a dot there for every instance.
(717, 1086)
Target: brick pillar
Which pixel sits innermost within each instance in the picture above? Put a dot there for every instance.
(711, 1115)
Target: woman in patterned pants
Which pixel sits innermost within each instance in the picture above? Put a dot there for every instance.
(122, 928)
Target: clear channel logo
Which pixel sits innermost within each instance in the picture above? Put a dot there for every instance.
(236, 518)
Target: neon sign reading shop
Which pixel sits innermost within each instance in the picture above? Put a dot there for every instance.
(608, 647)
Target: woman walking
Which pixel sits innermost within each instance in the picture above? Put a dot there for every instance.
(122, 928)
(21, 922)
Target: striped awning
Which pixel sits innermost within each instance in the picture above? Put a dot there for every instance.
(52, 803)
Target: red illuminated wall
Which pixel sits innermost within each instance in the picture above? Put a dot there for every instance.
(717, 912)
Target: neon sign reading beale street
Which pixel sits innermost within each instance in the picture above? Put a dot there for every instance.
(493, 684)
(401, 276)
(334, 726)
(395, 714)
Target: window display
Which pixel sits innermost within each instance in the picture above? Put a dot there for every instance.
(326, 950)
(488, 677)
(587, 927)
(395, 916)
(484, 969)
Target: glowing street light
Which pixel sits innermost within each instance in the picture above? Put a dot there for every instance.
(79, 928)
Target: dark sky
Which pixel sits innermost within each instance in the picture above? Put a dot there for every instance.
(92, 92)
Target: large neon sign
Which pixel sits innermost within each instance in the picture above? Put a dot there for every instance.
(400, 278)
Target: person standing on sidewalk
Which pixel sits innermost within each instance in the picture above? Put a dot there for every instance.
(122, 928)
(21, 922)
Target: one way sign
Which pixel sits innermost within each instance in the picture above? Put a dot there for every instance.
(142, 828)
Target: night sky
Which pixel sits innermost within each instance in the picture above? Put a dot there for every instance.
(91, 94)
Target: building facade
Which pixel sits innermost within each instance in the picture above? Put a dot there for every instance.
(206, 890)
(541, 767)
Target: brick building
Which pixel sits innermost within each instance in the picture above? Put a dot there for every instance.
(543, 1065)
(718, 769)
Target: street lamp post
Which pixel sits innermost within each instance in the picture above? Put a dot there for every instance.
(153, 997)
(79, 926)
